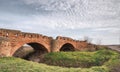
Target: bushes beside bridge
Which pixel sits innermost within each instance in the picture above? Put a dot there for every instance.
(11, 64)
(79, 59)
(98, 61)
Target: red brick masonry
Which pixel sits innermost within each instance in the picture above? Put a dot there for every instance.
(12, 40)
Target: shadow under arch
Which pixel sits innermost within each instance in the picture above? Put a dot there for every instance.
(38, 46)
(67, 47)
(34, 53)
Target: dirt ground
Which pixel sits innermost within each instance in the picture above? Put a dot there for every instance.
(114, 47)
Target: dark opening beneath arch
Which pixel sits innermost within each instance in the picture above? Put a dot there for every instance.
(67, 47)
(31, 51)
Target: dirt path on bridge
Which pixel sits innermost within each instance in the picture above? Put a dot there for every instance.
(114, 47)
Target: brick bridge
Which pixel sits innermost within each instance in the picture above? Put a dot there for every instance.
(12, 40)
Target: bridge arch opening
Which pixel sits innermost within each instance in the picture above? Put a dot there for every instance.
(31, 51)
(67, 47)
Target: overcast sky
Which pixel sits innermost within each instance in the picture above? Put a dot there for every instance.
(97, 19)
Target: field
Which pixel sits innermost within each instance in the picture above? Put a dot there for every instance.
(103, 60)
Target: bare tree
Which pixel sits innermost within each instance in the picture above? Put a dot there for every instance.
(88, 39)
(98, 41)
(119, 41)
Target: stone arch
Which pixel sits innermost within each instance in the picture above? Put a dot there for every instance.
(36, 46)
(38, 50)
(67, 47)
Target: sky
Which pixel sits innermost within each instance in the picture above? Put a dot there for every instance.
(97, 19)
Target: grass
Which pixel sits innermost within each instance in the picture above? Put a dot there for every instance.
(110, 60)
(11, 64)
(79, 59)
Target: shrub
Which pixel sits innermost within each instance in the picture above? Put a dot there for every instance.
(114, 65)
(79, 59)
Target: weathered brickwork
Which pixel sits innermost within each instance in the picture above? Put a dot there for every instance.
(12, 40)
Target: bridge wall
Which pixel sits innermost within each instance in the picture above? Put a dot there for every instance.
(60, 41)
(16, 39)
(12, 40)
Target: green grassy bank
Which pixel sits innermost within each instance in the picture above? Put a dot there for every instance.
(98, 61)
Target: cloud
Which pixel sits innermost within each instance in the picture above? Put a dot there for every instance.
(94, 7)
(50, 4)
(80, 13)
(110, 30)
(74, 18)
